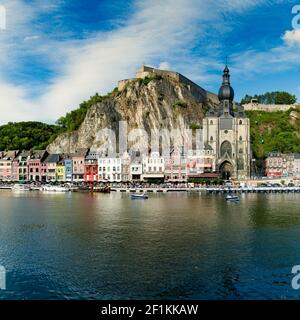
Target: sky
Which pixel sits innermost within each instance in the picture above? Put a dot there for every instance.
(55, 54)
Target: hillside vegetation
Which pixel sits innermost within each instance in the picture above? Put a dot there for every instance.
(72, 120)
(27, 135)
(276, 97)
(274, 131)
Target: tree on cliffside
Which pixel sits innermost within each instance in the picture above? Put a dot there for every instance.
(277, 97)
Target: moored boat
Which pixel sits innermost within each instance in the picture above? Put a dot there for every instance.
(20, 187)
(232, 198)
(55, 189)
(139, 196)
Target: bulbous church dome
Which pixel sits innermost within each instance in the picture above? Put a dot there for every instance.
(226, 92)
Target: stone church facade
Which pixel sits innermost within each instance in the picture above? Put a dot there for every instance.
(227, 131)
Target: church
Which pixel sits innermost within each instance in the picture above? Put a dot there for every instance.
(227, 131)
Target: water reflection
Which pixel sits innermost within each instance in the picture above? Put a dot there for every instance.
(69, 246)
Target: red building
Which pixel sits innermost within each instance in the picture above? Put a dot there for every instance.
(35, 165)
(91, 167)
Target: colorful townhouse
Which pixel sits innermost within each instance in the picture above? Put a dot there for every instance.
(78, 160)
(125, 167)
(279, 165)
(201, 164)
(36, 168)
(176, 167)
(68, 164)
(60, 171)
(7, 169)
(22, 160)
(51, 163)
(91, 167)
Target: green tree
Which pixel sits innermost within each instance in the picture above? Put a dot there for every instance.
(276, 97)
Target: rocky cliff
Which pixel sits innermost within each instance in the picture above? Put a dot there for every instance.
(149, 103)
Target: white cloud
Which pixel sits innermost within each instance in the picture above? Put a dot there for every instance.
(157, 32)
(29, 38)
(292, 37)
(164, 66)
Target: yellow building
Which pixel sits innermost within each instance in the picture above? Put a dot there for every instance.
(60, 172)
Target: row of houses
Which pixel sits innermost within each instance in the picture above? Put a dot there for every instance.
(87, 166)
(282, 165)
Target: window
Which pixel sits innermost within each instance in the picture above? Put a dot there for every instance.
(241, 122)
(226, 148)
(211, 138)
(211, 122)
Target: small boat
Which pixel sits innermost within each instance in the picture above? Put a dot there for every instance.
(232, 198)
(55, 189)
(139, 196)
(21, 187)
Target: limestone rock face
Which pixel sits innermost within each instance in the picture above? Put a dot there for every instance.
(161, 103)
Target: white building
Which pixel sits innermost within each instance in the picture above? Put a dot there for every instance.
(136, 171)
(109, 169)
(153, 166)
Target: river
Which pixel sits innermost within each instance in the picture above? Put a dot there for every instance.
(171, 246)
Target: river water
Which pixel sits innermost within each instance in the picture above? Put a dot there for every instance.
(171, 246)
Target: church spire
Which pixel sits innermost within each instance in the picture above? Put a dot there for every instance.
(226, 92)
(226, 76)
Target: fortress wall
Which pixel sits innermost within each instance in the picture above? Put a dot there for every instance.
(269, 107)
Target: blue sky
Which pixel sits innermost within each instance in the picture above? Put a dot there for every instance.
(55, 55)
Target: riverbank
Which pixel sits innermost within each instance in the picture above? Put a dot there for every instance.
(157, 189)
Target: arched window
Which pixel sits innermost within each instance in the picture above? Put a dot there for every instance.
(226, 148)
(240, 151)
(211, 138)
(241, 122)
(211, 122)
(241, 138)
